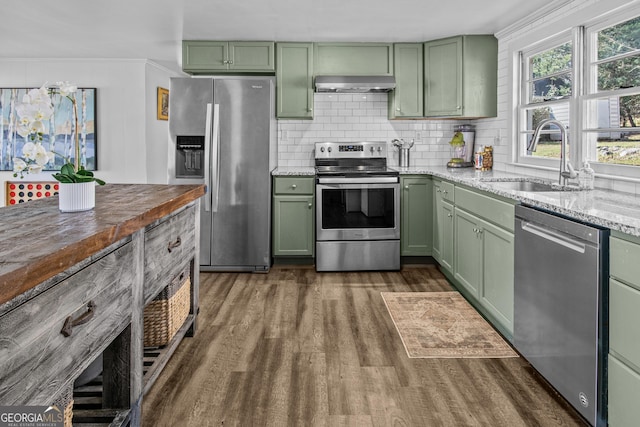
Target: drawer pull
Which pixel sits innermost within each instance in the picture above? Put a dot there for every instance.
(70, 322)
(173, 245)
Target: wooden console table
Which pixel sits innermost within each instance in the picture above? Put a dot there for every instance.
(73, 286)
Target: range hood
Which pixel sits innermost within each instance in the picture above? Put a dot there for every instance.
(355, 84)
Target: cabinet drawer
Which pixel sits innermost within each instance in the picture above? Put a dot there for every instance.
(624, 394)
(168, 247)
(624, 261)
(294, 185)
(624, 318)
(447, 190)
(35, 358)
(494, 210)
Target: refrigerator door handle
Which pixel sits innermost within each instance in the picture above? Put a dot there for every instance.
(215, 149)
(207, 158)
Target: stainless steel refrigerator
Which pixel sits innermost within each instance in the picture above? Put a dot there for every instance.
(223, 135)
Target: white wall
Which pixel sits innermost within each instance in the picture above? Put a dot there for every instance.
(132, 144)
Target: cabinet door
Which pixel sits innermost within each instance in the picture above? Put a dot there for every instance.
(623, 394)
(443, 77)
(407, 100)
(496, 292)
(293, 226)
(416, 226)
(436, 247)
(251, 56)
(352, 59)
(447, 243)
(199, 55)
(294, 80)
(468, 251)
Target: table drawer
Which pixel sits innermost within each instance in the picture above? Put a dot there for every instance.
(168, 247)
(624, 261)
(493, 210)
(294, 185)
(36, 359)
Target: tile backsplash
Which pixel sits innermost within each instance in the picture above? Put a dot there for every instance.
(362, 117)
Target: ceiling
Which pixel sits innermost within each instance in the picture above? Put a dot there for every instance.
(153, 29)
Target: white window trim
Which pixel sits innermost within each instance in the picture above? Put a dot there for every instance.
(596, 16)
(522, 96)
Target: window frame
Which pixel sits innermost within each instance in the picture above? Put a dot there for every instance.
(583, 34)
(523, 105)
(592, 94)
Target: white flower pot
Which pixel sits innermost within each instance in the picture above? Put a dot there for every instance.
(77, 197)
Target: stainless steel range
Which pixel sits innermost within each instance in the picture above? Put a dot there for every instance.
(357, 207)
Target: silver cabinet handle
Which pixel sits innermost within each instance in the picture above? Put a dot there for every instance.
(294, 186)
(449, 215)
(310, 205)
(438, 190)
(406, 187)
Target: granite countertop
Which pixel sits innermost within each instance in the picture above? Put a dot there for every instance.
(611, 209)
(37, 241)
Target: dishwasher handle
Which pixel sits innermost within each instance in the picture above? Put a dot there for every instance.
(555, 236)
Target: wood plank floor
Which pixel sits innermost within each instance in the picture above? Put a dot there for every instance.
(300, 348)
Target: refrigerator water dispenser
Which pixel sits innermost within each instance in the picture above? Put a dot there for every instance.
(190, 156)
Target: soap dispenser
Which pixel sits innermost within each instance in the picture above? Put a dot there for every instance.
(586, 176)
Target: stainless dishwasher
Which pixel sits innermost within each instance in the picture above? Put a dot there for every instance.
(560, 306)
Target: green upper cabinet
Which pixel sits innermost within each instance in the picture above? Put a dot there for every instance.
(353, 59)
(416, 224)
(461, 77)
(294, 80)
(203, 56)
(407, 100)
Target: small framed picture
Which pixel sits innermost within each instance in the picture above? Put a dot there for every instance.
(163, 103)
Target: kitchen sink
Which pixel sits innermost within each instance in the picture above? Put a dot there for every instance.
(531, 186)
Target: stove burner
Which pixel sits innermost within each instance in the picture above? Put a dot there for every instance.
(355, 159)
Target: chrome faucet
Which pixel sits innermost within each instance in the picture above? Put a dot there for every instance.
(566, 169)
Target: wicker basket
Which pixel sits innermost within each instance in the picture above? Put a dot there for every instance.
(65, 400)
(166, 313)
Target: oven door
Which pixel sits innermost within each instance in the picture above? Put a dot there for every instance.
(362, 208)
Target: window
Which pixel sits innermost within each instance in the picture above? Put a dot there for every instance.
(588, 80)
(546, 93)
(612, 102)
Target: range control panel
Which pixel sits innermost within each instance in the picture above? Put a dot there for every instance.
(348, 150)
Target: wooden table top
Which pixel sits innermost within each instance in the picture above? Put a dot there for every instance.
(37, 241)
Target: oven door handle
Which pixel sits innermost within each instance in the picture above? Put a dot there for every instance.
(358, 180)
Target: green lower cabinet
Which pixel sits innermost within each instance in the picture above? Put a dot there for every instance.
(467, 252)
(442, 247)
(483, 266)
(416, 224)
(496, 293)
(624, 334)
(293, 226)
(623, 394)
(446, 240)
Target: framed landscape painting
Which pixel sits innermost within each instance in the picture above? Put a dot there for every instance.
(59, 131)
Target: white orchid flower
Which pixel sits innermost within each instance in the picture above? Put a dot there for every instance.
(66, 88)
(42, 156)
(35, 168)
(18, 164)
(29, 150)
